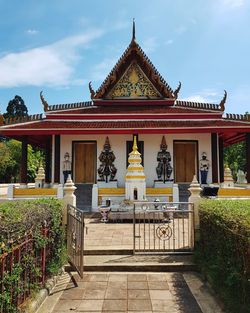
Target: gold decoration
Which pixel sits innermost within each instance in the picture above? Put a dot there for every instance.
(134, 84)
(35, 192)
(232, 192)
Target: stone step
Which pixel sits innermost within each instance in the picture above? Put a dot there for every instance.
(138, 263)
(84, 196)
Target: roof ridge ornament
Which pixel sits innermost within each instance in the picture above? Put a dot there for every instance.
(176, 92)
(92, 92)
(133, 30)
(223, 101)
(44, 102)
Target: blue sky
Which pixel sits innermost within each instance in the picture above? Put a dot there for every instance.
(58, 46)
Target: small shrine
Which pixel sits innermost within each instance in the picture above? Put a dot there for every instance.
(135, 182)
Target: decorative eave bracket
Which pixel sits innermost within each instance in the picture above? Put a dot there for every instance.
(44, 102)
(223, 101)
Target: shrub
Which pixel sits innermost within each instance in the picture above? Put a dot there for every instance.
(19, 219)
(223, 253)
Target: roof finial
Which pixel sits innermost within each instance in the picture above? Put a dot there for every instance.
(135, 148)
(133, 33)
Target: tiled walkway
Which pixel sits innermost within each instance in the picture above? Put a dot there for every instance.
(123, 292)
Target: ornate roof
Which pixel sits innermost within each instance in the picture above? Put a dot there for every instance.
(134, 76)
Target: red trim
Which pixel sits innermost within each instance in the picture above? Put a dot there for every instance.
(131, 116)
(120, 131)
(117, 102)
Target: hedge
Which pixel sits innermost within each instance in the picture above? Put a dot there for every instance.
(19, 219)
(223, 253)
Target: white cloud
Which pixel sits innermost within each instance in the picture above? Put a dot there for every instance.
(206, 95)
(169, 42)
(102, 69)
(47, 65)
(149, 44)
(233, 3)
(181, 29)
(196, 98)
(32, 31)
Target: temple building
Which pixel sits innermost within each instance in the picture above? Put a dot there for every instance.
(93, 140)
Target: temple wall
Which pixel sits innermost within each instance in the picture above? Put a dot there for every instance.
(151, 147)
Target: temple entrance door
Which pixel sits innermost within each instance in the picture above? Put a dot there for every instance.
(185, 161)
(84, 162)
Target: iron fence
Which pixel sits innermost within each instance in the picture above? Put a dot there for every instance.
(75, 237)
(160, 227)
(22, 266)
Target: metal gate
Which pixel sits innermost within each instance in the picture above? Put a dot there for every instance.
(75, 238)
(163, 227)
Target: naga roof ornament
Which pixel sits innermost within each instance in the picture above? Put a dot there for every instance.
(44, 102)
(92, 92)
(223, 101)
(177, 90)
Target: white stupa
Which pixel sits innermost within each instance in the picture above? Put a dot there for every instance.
(228, 178)
(135, 182)
(40, 177)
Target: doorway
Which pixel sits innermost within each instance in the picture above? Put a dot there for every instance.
(84, 162)
(185, 161)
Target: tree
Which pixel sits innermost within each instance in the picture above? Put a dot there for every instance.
(16, 108)
(10, 159)
(235, 157)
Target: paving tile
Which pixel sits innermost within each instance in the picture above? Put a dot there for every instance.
(117, 277)
(95, 284)
(94, 294)
(72, 294)
(90, 305)
(137, 277)
(156, 285)
(139, 305)
(156, 277)
(98, 277)
(138, 294)
(115, 293)
(111, 305)
(164, 306)
(118, 284)
(140, 312)
(174, 277)
(137, 285)
(160, 295)
(67, 305)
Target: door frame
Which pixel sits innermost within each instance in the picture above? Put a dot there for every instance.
(197, 158)
(73, 157)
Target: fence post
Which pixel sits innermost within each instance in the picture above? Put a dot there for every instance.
(195, 197)
(69, 197)
(43, 252)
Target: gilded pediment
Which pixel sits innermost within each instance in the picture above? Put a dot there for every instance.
(133, 84)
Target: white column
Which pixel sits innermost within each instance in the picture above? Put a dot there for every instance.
(69, 197)
(53, 160)
(195, 198)
(95, 198)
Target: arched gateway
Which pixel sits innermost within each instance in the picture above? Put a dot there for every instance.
(134, 100)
